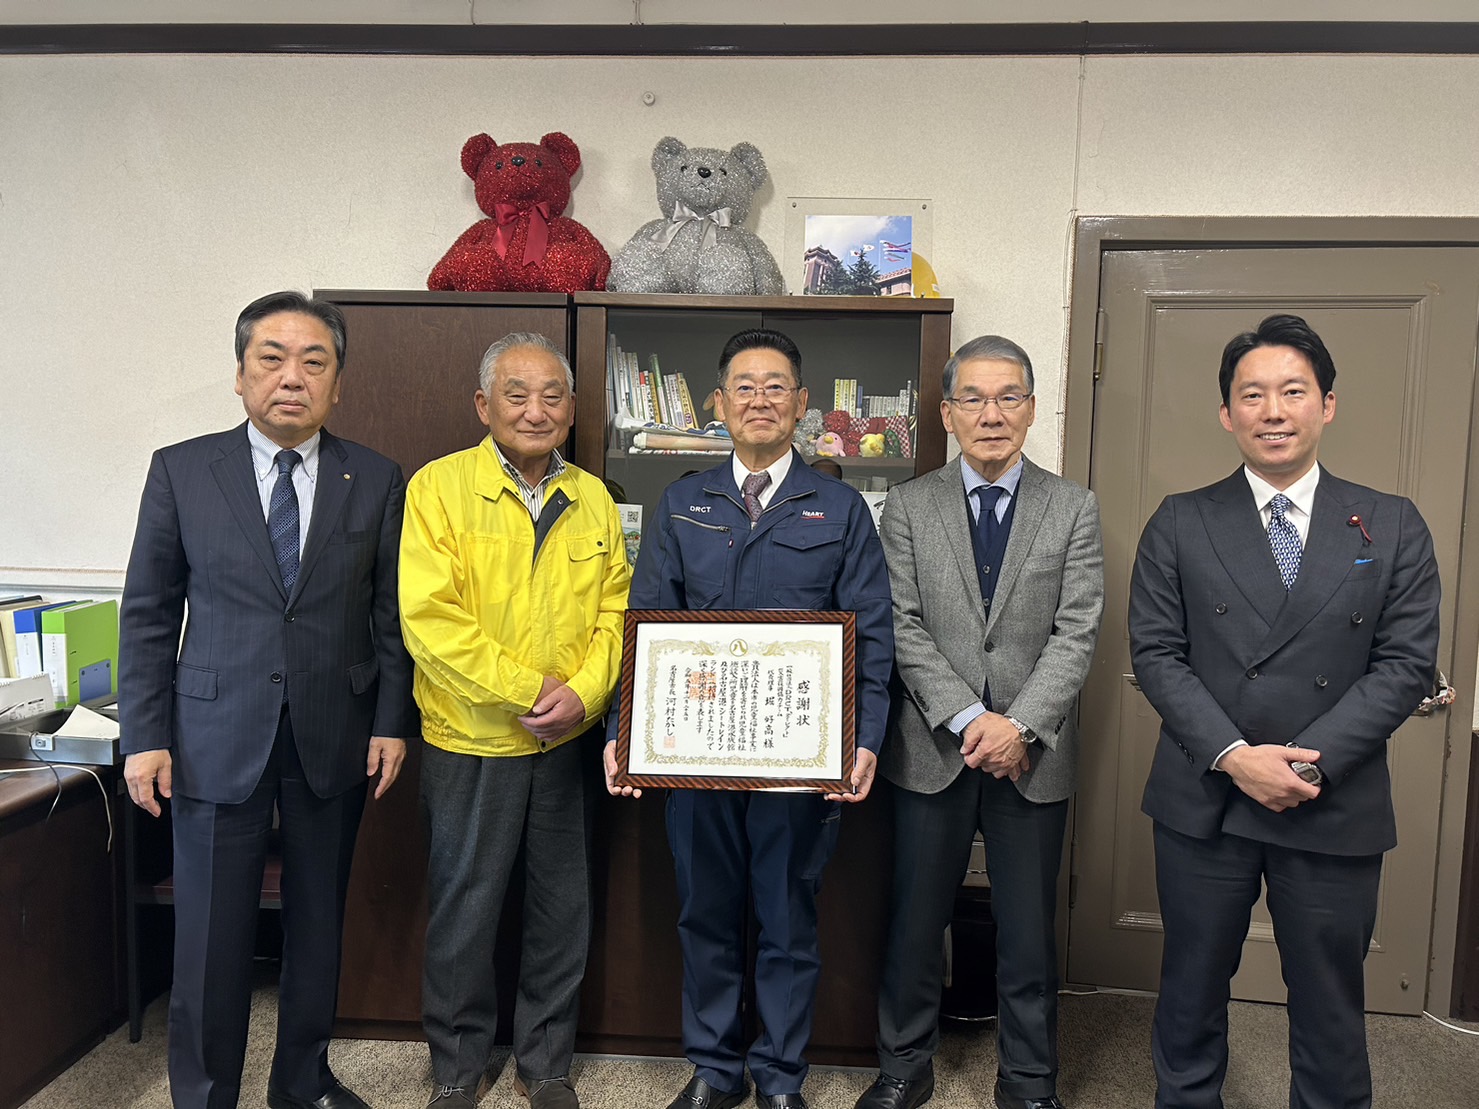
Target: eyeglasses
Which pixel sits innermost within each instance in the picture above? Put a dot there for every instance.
(974, 405)
(775, 392)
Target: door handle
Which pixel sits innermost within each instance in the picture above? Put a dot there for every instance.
(1442, 696)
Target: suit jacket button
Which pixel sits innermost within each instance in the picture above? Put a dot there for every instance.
(989, 647)
(276, 676)
(1321, 680)
(1252, 672)
(1355, 618)
(1221, 610)
(287, 618)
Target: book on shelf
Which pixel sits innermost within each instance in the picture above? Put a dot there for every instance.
(690, 413)
(631, 529)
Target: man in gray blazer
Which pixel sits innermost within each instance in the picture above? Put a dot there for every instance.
(290, 690)
(997, 569)
(1279, 606)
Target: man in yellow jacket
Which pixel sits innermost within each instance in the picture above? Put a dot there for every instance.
(513, 582)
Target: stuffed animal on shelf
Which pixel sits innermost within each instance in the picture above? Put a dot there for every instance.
(700, 244)
(830, 445)
(871, 445)
(525, 245)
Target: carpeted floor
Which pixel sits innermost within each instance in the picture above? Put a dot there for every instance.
(1104, 1046)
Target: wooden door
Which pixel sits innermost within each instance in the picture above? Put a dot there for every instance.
(1400, 323)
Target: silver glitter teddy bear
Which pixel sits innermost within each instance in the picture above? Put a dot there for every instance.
(700, 245)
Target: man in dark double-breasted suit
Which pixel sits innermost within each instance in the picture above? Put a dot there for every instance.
(290, 689)
(1283, 622)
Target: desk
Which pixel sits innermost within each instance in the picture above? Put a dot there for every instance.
(59, 988)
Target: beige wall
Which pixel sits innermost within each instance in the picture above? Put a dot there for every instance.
(144, 199)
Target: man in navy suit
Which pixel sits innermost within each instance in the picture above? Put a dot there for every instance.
(290, 689)
(1283, 622)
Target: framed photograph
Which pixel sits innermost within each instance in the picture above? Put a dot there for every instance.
(737, 700)
(855, 247)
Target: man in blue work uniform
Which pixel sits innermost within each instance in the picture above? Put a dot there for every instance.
(761, 530)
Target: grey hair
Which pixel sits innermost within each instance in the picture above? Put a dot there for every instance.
(514, 340)
(986, 346)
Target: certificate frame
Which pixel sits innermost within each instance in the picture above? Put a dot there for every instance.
(661, 640)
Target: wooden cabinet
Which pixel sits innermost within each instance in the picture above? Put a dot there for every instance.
(408, 386)
(59, 992)
(409, 377)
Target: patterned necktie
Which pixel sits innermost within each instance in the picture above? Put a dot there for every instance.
(282, 519)
(1284, 539)
(986, 522)
(755, 484)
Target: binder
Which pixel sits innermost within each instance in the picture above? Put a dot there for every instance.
(7, 632)
(79, 648)
(28, 638)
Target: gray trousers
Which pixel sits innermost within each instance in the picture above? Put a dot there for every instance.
(479, 812)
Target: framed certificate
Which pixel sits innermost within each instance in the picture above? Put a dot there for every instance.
(737, 700)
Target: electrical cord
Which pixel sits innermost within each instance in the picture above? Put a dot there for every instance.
(52, 767)
(1451, 1027)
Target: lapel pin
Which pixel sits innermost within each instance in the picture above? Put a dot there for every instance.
(1355, 522)
(346, 477)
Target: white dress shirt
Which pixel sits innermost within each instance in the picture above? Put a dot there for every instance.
(305, 475)
(777, 470)
(1302, 497)
(973, 481)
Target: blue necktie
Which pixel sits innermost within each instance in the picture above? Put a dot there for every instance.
(1284, 539)
(282, 519)
(986, 521)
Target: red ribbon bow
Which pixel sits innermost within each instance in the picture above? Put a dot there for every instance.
(536, 244)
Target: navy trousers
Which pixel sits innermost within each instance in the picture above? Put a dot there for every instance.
(220, 853)
(730, 847)
(1324, 911)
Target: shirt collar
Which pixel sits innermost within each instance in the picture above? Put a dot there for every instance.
(1008, 481)
(1301, 494)
(556, 468)
(264, 453)
(777, 471)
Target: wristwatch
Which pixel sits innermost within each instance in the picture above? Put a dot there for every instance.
(1028, 735)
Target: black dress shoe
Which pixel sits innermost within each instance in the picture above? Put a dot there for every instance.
(698, 1094)
(548, 1093)
(1005, 1100)
(779, 1101)
(338, 1096)
(888, 1092)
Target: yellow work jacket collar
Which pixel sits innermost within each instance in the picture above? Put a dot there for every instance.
(492, 480)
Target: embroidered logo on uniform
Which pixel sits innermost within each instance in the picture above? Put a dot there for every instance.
(699, 507)
(806, 514)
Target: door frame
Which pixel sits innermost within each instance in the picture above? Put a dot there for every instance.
(1452, 985)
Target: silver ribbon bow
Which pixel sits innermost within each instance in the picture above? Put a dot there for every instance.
(684, 215)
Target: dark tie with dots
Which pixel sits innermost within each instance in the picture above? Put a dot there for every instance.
(986, 522)
(1284, 539)
(282, 519)
(755, 484)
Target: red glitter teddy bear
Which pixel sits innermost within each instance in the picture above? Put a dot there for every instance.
(525, 246)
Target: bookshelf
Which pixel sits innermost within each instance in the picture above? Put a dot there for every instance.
(877, 359)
